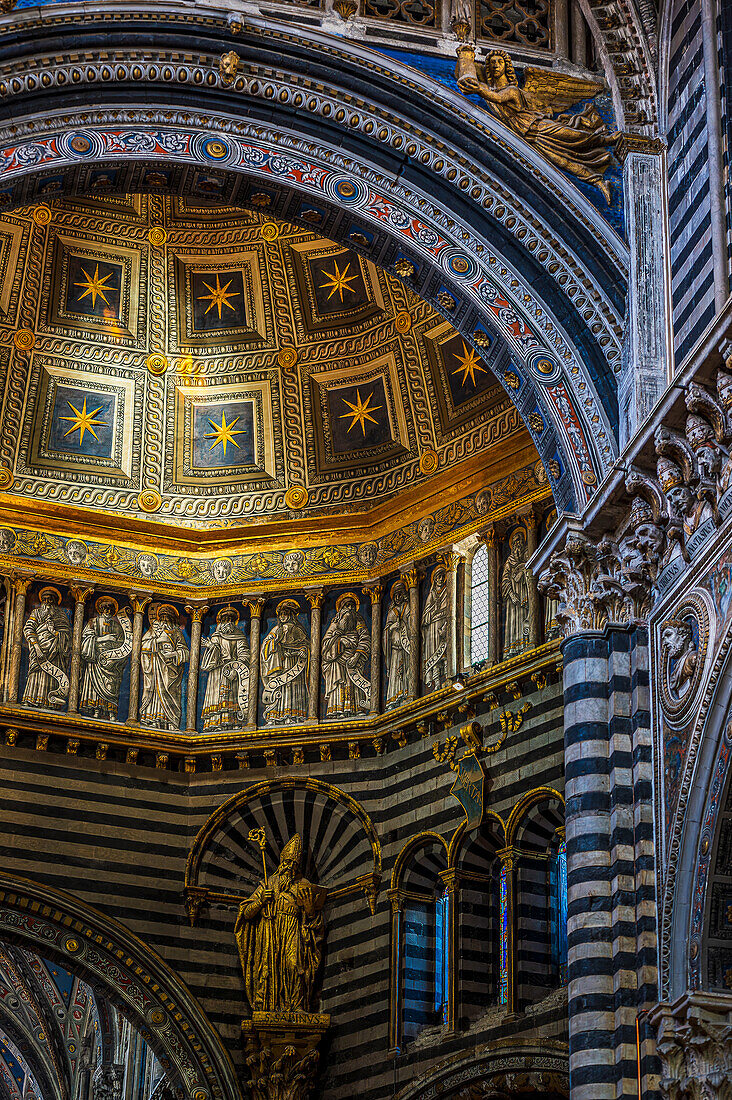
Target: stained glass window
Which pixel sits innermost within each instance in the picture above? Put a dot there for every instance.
(479, 607)
(441, 956)
(503, 894)
(562, 910)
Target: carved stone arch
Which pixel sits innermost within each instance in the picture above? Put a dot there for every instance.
(460, 838)
(28, 1045)
(341, 850)
(464, 242)
(413, 845)
(524, 805)
(38, 999)
(111, 959)
(682, 946)
(626, 39)
(507, 1067)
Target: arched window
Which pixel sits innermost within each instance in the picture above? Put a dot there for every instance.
(421, 935)
(480, 606)
(541, 907)
(480, 931)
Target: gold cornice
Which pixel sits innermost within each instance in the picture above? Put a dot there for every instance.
(136, 532)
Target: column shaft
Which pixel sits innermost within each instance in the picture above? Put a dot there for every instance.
(20, 585)
(645, 369)
(8, 617)
(256, 606)
(534, 603)
(81, 594)
(411, 579)
(316, 602)
(196, 611)
(375, 591)
(139, 603)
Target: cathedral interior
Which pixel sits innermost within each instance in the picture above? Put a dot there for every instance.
(366, 550)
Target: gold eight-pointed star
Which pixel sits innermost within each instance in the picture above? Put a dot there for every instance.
(83, 421)
(219, 295)
(223, 433)
(337, 281)
(360, 412)
(469, 363)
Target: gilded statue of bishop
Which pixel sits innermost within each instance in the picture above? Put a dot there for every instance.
(279, 932)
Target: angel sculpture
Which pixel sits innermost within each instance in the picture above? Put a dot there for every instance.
(578, 143)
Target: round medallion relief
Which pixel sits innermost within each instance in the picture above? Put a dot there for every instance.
(684, 639)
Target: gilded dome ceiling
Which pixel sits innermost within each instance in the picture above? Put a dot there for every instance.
(207, 367)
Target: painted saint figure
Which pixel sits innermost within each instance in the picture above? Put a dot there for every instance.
(516, 591)
(106, 644)
(346, 650)
(279, 933)
(285, 663)
(162, 660)
(226, 659)
(435, 618)
(397, 643)
(48, 633)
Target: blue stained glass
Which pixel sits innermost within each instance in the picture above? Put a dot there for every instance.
(503, 985)
(562, 914)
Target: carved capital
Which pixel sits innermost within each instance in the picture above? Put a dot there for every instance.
(597, 583)
(256, 607)
(196, 611)
(107, 1082)
(374, 591)
(21, 582)
(410, 578)
(139, 603)
(695, 1046)
(282, 1053)
(315, 598)
(81, 593)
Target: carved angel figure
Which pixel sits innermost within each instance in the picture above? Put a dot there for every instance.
(578, 143)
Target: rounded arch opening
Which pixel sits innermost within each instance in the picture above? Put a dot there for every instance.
(112, 960)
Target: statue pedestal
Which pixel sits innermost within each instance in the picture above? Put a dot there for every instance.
(282, 1052)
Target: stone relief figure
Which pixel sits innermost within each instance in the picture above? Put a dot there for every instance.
(106, 644)
(435, 617)
(47, 631)
(225, 658)
(680, 655)
(579, 143)
(515, 588)
(346, 651)
(162, 660)
(279, 932)
(397, 643)
(285, 663)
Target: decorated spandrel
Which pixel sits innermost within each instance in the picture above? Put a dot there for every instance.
(163, 659)
(580, 143)
(225, 659)
(285, 665)
(106, 645)
(397, 644)
(345, 655)
(47, 632)
(279, 933)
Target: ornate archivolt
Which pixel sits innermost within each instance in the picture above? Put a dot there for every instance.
(138, 982)
(524, 317)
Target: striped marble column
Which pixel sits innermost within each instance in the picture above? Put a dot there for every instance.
(611, 926)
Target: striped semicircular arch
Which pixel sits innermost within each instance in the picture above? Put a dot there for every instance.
(341, 851)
